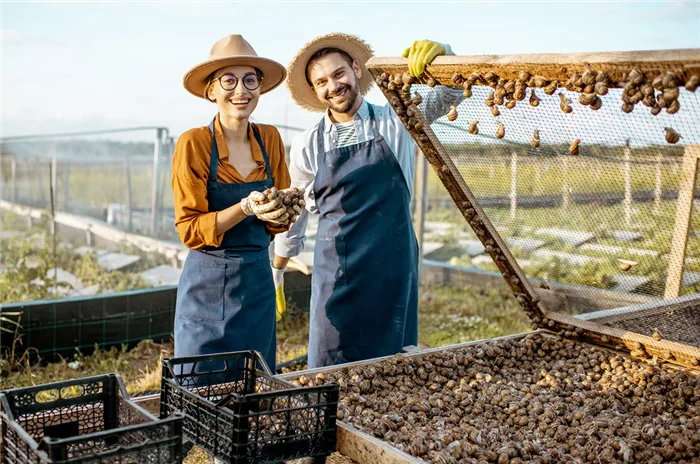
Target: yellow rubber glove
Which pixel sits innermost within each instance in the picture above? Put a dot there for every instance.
(280, 299)
(422, 53)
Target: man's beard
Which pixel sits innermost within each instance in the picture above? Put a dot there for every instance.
(354, 94)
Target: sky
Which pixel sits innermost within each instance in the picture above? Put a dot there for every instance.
(91, 66)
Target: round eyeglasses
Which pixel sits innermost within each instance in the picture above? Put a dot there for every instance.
(251, 81)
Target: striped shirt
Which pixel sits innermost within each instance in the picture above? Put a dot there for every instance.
(346, 134)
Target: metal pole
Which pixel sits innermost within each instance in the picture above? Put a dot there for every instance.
(52, 189)
(513, 184)
(54, 180)
(127, 168)
(154, 185)
(13, 182)
(628, 184)
(565, 184)
(657, 187)
(66, 186)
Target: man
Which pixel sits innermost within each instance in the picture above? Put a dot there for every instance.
(356, 168)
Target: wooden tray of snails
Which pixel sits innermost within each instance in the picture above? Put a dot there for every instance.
(534, 397)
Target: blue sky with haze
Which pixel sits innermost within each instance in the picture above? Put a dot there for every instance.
(88, 66)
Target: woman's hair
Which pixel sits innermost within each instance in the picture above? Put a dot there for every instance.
(210, 79)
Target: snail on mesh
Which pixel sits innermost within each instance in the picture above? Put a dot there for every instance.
(586, 98)
(417, 99)
(692, 83)
(535, 142)
(596, 103)
(501, 131)
(467, 89)
(673, 107)
(573, 148)
(472, 127)
(534, 99)
(626, 265)
(510, 104)
(627, 107)
(565, 103)
(494, 111)
(457, 79)
(490, 99)
(552, 87)
(452, 115)
(671, 135)
(601, 88)
(431, 82)
(636, 76)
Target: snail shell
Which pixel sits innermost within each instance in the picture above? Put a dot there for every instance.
(489, 99)
(669, 81)
(494, 111)
(417, 99)
(457, 79)
(501, 131)
(431, 82)
(636, 97)
(498, 100)
(406, 88)
(510, 104)
(658, 83)
(636, 76)
(500, 92)
(586, 98)
(406, 78)
(467, 92)
(573, 148)
(596, 103)
(490, 77)
(589, 76)
(540, 81)
(649, 101)
(565, 104)
(519, 94)
(655, 110)
(509, 86)
(601, 88)
(391, 86)
(673, 107)
(535, 142)
(524, 75)
(398, 79)
(473, 77)
(647, 90)
(670, 94)
(626, 265)
(472, 127)
(671, 135)
(692, 83)
(452, 115)
(627, 107)
(661, 101)
(601, 77)
(534, 100)
(418, 126)
(551, 87)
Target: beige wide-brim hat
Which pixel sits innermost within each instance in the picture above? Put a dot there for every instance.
(233, 50)
(302, 94)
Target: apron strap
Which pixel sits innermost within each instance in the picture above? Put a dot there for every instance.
(214, 162)
(258, 139)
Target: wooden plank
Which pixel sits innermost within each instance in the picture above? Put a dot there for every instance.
(684, 208)
(364, 448)
(684, 62)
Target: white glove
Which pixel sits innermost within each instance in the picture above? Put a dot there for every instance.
(265, 208)
(280, 299)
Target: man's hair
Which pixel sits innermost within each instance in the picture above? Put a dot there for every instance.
(321, 53)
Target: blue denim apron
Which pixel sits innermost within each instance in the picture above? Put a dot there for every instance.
(364, 300)
(226, 298)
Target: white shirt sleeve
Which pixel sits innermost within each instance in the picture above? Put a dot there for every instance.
(302, 170)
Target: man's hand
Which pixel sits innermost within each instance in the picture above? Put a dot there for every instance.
(280, 300)
(422, 53)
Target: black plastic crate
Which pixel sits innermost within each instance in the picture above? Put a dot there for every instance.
(88, 420)
(238, 412)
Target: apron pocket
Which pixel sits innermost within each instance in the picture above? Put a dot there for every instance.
(201, 291)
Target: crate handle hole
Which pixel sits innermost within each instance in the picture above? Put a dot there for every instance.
(74, 391)
(47, 396)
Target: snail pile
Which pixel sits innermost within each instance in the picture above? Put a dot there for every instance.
(292, 199)
(539, 399)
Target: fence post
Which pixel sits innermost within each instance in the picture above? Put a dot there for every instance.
(66, 186)
(421, 201)
(54, 183)
(628, 184)
(156, 178)
(681, 228)
(513, 184)
(657, 187)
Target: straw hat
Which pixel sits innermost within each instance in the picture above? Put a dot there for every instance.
(297, 84)
(233, 50)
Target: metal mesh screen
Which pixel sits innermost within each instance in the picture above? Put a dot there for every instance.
(595, 204)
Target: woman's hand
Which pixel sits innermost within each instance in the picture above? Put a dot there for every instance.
(267, 208)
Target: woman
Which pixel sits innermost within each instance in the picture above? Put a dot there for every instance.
(226, 296)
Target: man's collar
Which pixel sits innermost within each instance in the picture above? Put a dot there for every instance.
(362, 112)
